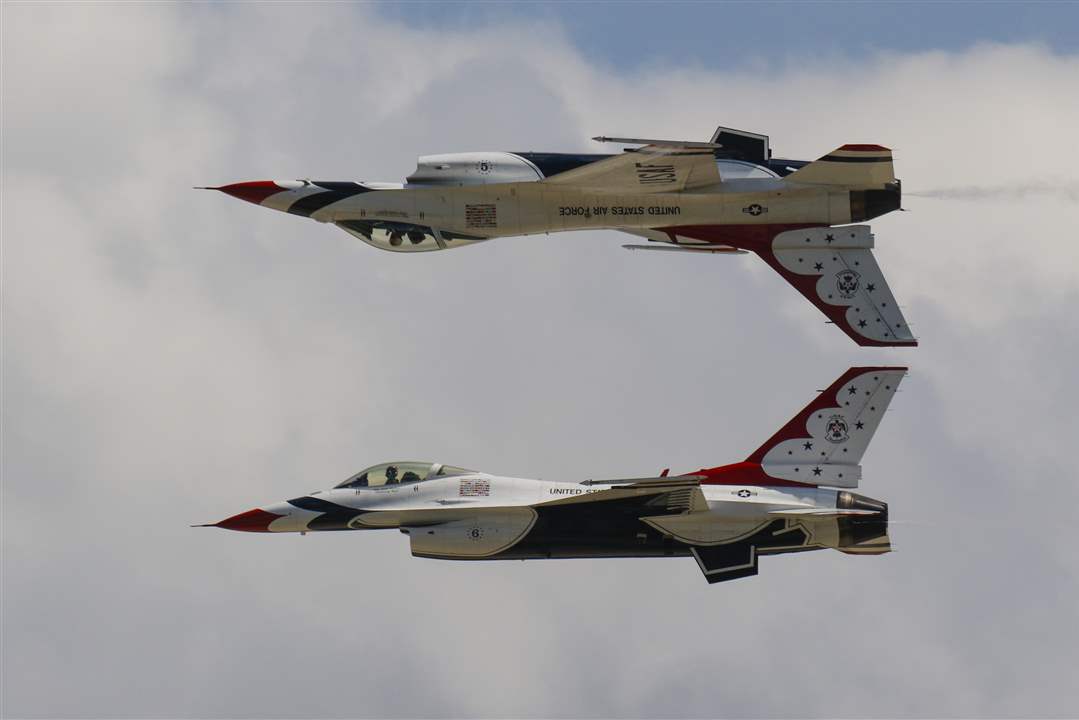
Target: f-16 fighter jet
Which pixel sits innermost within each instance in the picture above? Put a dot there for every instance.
(792, 494)
(726, 196)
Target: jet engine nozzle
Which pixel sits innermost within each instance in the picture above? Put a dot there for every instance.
(853, 501)
(863, 534)
(868, 204)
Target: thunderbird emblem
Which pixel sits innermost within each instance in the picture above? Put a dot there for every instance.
(836, 430)
(846, 282)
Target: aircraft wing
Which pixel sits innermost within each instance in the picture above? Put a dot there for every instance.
(486, 532)
(664, 495)
(662, 168)
(663, 241)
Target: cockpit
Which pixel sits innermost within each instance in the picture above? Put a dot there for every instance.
(400, 473)
(405, 237)
(741, 170)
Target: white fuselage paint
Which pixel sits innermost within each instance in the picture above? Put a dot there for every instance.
(443, 499)
(531, 208)
(528, 206)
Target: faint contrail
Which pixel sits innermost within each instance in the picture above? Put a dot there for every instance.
(1067, 191)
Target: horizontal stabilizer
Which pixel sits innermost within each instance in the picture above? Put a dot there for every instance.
(726, 562)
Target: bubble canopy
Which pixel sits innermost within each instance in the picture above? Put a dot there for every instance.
(400, 473)
(398, 236)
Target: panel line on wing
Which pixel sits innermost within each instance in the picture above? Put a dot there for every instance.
(845, 260)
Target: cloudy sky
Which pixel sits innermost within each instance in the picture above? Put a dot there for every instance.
(173, 357)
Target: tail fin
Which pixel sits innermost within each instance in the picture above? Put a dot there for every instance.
(824, 443)
(851, 165)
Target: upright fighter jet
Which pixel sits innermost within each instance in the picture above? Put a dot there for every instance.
(726, 196)
(790, 495)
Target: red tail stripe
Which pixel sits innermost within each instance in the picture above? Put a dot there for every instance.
(744, 473)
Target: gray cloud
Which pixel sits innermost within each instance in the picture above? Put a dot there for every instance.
(1018, 191)
(173, 357)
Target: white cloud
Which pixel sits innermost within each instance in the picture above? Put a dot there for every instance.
(173, 357)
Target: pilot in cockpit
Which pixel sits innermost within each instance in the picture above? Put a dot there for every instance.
(410, 476)
(391, 475)
(361, 481)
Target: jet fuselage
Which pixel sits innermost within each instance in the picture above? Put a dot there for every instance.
(792, 494)
(679, 196)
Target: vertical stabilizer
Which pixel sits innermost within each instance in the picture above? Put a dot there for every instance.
(857, 166)
(824, 443)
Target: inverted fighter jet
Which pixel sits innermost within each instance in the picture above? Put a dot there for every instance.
(790, 495)
(726, 196)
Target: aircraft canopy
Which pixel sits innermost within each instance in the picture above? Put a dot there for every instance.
(399, 473)
(398, 236)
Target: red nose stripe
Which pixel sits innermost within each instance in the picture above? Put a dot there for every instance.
(255, 191)
(251, 521)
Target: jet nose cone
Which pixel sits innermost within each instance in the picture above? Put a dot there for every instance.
(256, 520)
(253, 192)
